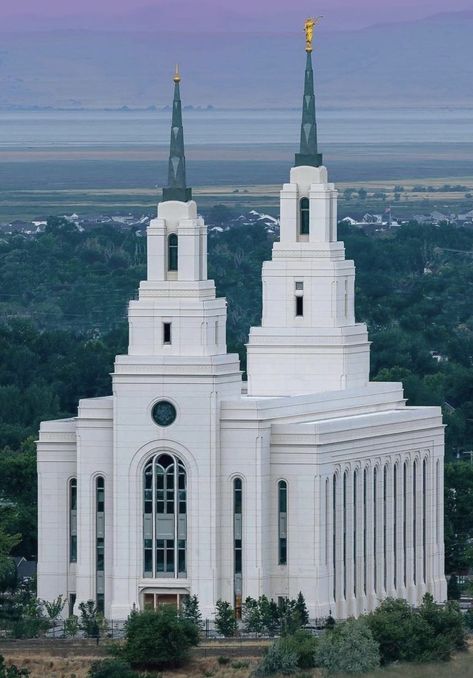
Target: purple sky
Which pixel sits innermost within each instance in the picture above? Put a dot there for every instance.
(200, 15)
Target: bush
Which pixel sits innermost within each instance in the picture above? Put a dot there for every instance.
(111, 668)
(303, 644)
(430, 633)
(349, 648)
(158, 638)
(223, 661)
(278, 659)
(11, 671)
(225, 621)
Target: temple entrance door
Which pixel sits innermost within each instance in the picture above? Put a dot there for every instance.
(153, 600)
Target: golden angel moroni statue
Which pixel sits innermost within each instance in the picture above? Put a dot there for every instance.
(309, 26)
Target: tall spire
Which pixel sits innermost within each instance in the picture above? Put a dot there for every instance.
(177, 188)
(308, 152)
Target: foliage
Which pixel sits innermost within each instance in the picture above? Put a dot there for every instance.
(11, 671)
(430, 633)
(112, 668)
(21, 613)
(303, 644)
(7, 543)
(54, 608)
(301, 609)
(290, 616)
(91, 621)
(71, 626)
(158, 638)
(453, 588)
(458, 520)
(278, 659)
(225, 621)
(348, 648)
(190, 610)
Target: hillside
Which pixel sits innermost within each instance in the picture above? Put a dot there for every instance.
(409, 63)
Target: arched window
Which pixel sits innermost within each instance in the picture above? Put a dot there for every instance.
(304, 216)
(73, 520)
(237, 544)
(282, 522)
(165, 517)
(100, 543)
(172, 252)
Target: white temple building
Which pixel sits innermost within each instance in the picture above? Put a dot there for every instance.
(187, 480)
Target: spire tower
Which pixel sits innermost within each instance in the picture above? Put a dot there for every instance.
(177, 188)
(308, 153)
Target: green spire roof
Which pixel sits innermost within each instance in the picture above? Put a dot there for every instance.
(308, 153)
(177, 188)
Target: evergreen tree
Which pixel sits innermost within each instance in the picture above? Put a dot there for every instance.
(225, 621)
(302, 611)
(191, 611)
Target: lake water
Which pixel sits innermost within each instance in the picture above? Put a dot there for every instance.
(76, 129)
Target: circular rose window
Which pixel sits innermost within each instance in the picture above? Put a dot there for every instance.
(164, 413)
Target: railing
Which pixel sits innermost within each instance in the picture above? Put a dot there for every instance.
(114, 629)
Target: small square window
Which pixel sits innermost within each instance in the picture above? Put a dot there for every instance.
(299, 285)
(166, 333)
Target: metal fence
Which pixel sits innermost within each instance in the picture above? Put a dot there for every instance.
(114, 629)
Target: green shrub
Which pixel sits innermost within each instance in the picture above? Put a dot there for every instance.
(348, 648)
(430, 633)
(223, 661)
(111, 668)
(303, 644)
(278, 659)
(240, 664)
(11, 671)
(158, 638)
(225, 621)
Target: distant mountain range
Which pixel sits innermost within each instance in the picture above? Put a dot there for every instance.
(427, 62)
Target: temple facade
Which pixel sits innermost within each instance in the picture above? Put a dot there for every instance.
(187, 480)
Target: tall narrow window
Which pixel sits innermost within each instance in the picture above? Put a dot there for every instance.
(166, 333)
(100, 543)
(304, 216)
(344, 534)
(385, 515)
(365, 477)
(172, 252)
(334, 535)
(375, 519)
(404, 522)
(299, 292)
(164, 518)
(424, 517)
(73, 520)
(237, 544)
(355, 519)
(395, 525)
(282, 507)
(414, 519)
(327, 509)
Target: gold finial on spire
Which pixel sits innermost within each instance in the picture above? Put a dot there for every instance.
(177, 75)
(309, 26)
